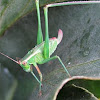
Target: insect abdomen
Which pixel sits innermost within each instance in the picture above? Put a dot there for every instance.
(52, 45)
(36, 54)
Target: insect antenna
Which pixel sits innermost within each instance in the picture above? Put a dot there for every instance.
(9, 57)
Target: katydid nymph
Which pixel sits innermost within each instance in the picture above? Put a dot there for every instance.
(41, 53)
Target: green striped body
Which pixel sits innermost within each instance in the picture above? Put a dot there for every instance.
(36, 56)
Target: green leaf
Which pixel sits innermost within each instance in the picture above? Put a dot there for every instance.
(90, 85)
(56, 80)
(77, 93)
(12, 10)
(8, 84)
(79, 49)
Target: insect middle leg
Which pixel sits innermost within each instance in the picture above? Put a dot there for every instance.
(57, 57)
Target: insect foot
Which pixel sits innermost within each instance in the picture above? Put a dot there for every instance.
(70, 76)
(41, 85)
(40, 93)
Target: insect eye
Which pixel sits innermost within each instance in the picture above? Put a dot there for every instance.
(24, 63)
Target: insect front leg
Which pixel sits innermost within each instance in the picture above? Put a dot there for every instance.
(39, 81)
(39, 72)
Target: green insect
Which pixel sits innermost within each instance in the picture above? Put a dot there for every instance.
(43, 50)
